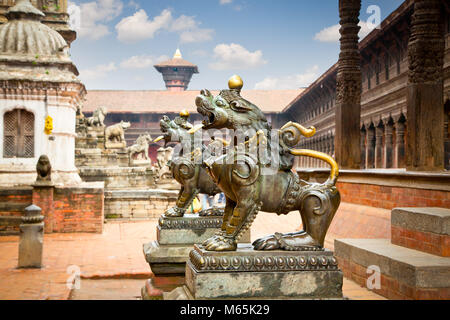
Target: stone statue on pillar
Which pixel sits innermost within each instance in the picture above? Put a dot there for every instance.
(44, 170)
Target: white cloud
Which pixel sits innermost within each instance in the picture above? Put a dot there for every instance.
(139, 27)
(142, 61)
(198, 35)
(331, 34)
(93, 15)
(190, 30)
(183, 22)
(234, 56)
(289, 82)
(97, 72)
(225, 1)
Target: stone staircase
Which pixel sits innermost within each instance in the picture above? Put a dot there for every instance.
(12, 204)
(414, 264)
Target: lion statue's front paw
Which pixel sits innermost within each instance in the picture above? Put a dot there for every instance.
(220, 243)
(174, 212)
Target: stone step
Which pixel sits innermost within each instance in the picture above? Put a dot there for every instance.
(424, 229)
(404, 273)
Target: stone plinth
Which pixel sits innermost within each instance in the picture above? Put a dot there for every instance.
(90, 138)
(31, 238)
(249, 274)
(176, 238)
(115, 145)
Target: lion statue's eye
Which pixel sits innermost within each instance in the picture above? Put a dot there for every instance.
(220, 103)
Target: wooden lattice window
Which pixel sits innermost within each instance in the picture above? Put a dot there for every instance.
(18, 141)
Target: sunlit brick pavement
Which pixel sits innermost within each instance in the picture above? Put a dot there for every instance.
(117, 254)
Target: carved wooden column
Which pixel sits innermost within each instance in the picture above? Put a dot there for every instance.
(370, 150)
(447, 135)
(400, 144)
(379, 132)
(363, 147)
(388, 143)
(333, 151)
(348, 100)
(425, 139)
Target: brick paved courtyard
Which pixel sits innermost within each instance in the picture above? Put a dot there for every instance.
(112, 265)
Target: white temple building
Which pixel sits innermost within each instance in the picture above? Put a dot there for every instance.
(37, 80)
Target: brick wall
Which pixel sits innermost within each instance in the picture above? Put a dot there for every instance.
(12, 204)
(388, 197)
(66, 210)
(78, 210)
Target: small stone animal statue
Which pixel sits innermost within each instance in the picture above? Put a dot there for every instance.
(116, 133)
(44, 169)
(98, 118)
(140, 148)
(164, 159)
(248, 190)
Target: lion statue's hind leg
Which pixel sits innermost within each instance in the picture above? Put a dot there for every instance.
(318, 205)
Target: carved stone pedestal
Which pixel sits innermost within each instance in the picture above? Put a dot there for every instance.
(249, 274)
(175, 240)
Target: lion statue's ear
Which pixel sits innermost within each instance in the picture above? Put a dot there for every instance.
(206, 93)
(239, 106)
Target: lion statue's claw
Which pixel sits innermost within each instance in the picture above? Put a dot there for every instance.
(174, 212)
(220, 243)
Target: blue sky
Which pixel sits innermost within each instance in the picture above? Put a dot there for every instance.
(283, 44)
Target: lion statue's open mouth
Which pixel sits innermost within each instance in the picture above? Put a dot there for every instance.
(212, 109)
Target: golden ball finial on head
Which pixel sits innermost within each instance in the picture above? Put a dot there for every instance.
(184, 113)
(235, 82)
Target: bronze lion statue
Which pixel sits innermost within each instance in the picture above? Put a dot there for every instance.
(256, 175)
(193, 177)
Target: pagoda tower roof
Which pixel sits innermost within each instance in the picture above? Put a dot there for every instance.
(176, 61)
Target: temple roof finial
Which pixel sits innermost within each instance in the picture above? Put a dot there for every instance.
(177, 54)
